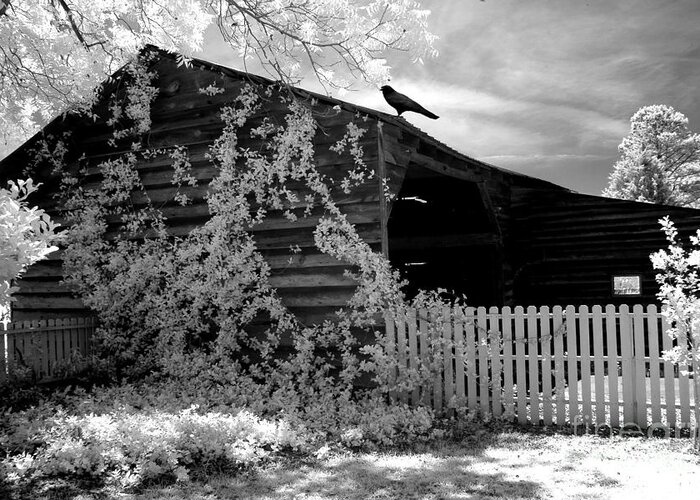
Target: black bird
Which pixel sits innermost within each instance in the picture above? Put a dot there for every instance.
(403, 103)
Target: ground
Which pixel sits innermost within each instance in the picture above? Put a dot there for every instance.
(509, 465)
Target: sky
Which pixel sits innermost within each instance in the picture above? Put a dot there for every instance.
(544, 87)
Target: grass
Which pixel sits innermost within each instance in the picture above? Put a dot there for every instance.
(509, 465)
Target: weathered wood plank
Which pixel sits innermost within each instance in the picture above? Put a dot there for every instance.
(320, 277)
(470, 343)
(612, 335)
(390, 346)
(413, 363)
(495, 336)
(669, 377)
(683, 381)
(301, 260)
(559, 379)
(520, 364)
(425, 353)
(654, 363)
(448, 358)
(508, 351)
(46, 302)
(460, 387)
(585, 353)
(546, 346)
(572, 351)
(533, 365)
(43, 287)
(402, 350)
(599, 366)
(439, 374)
(640, 395)
(316, 297)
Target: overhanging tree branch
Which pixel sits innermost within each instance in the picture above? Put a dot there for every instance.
(74, 27)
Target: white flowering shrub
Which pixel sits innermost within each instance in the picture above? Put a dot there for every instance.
(26, 236)
(680, 292)
(130, 449)
(679, 281)
(134, 107)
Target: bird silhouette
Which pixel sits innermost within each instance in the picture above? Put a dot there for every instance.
(403, 103)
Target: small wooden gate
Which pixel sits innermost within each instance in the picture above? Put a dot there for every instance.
(39, 348)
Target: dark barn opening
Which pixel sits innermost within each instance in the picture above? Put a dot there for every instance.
(441, 236)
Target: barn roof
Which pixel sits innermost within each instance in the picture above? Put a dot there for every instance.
(18, 156)
(379, 115)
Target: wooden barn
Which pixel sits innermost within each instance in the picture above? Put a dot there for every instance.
(496, 236)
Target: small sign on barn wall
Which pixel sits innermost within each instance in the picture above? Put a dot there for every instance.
(626, 285)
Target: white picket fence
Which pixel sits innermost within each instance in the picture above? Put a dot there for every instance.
(598, 365)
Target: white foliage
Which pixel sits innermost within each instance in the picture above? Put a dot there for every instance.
(659, 160)
(52, 58)
(53, 54)
(25, 238)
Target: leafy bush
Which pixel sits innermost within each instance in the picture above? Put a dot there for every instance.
(26, 237)
(130, 435)
(180, 315)
(129, 449)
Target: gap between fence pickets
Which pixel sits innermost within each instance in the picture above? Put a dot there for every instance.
(601, 363)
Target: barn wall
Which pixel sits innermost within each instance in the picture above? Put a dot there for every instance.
(312, 284)
(520, 240)
(567, 246)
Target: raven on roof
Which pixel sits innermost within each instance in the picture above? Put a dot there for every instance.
(403, 103)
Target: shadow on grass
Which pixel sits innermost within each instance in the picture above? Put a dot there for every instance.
(454, 471)
(57, 489)
(447, 470)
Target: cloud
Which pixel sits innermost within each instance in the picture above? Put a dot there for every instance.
(547, 88)
(484, 124)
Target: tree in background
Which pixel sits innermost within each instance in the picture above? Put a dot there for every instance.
(54, 53)
(659, 160)
(26, 236)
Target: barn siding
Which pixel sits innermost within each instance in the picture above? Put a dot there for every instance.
(311, 284)
(534, 242)
(567, 246)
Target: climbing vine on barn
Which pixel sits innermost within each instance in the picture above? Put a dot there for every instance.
(188, 307)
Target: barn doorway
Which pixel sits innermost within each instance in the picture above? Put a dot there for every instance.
(441, 235)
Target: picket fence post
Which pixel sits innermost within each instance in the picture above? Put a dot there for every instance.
(640, 396)
(584, 338)
(470, 348)
(669, 368)
(546, 346)
(520, 371)
(508, 351)
(654, 362)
